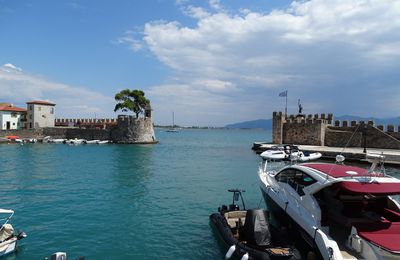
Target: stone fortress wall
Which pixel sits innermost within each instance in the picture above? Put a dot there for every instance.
(125, 129)
(322, 130)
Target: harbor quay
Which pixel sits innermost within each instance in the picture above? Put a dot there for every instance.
(321, 133)
(392, 156)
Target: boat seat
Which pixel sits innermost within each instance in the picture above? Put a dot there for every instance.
(6, 231)
(384, 235)
(233, 216)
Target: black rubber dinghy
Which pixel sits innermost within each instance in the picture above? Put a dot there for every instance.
(253, 238)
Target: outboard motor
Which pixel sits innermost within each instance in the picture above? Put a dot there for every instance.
(233, 207)
(59, 256)
(256, 227)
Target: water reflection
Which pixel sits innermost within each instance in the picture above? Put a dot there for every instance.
(132, 166)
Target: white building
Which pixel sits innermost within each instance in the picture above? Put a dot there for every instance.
(11, 117)
(40, 114)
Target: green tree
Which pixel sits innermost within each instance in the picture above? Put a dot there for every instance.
(131, 100)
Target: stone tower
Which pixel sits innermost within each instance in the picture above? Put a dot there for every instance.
(278, 119)
(132, 130)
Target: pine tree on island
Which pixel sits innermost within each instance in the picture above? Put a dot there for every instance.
(131, 100)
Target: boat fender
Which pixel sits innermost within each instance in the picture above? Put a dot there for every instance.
(245, 257)
(230, 252)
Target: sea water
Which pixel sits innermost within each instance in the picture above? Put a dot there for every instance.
(128, 201)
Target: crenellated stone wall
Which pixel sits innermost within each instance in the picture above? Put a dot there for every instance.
(124, 130)
(323, 130)
(300, 129)
(98, 123)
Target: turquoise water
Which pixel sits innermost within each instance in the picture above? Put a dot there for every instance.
(127, 201)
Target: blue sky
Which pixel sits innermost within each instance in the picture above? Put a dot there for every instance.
(211, 62)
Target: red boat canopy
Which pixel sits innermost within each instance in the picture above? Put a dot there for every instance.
(338, 171)
(373, 188)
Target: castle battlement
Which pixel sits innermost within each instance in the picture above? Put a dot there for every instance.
(85, 120)
(321, 129)
(390, 128)
(101, 123)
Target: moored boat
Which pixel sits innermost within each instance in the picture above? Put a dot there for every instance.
(75, 141)
(278, 153)
(301, 156)
(248, 233)
(8, 239)
(57, 140)
(339, 211)
(289, 152)
(91, 141)
(103, 142)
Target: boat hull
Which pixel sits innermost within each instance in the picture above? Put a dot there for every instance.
(302, 239)
(273, 156)
(8, 246)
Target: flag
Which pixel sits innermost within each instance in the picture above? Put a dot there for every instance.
(283, 94)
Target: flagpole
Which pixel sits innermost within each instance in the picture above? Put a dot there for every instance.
(286, 106)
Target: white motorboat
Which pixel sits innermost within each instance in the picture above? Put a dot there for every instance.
(57, 141)
(278, 153)
(274, 155)
(289, 152)
(103, 142)
(339, 211)
(31, 140)
(8, 239)
(301, 156)
(75, 141)
(91, 141)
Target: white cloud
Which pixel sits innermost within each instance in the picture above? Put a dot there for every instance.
(19, 87)
(129, 39)
(323, 51)
(215, 4)
(8, 67)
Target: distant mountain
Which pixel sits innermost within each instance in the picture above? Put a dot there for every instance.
(267, 123)
(260, 123)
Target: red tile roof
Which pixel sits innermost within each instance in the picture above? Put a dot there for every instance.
(41, 102)
(12, 109)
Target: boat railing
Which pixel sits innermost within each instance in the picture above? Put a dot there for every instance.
(377, 163)
(10, 214)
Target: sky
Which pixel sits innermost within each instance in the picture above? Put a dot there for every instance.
(211, 63)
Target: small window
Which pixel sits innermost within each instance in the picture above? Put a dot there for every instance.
(30, 107)
(298, 180)
(39, 108)
(30, 116)
(52, 110)
(285, 176)
(13, 114)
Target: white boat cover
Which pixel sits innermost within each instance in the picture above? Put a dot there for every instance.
(6, 211)
(6, 231)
